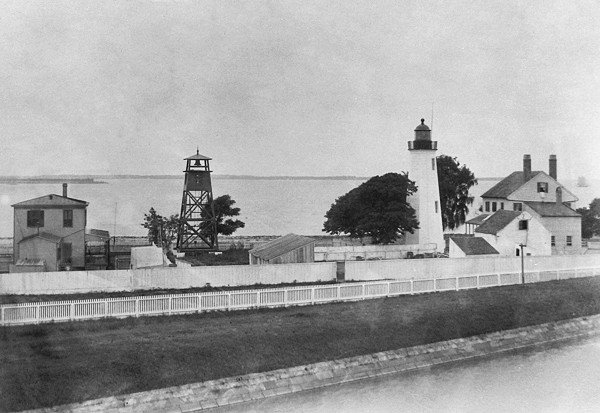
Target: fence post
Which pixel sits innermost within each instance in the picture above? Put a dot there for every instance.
(258, 299)
(457, 283)
(228, 301)
(170, 305)
(105, 308)
(37, 313)
(558, 274)
(312, 295)
(285, 297)
(72, 311)
(2, 315)
(478, 276)
(136, 309)
(412, 287)
(499, 280)
(339, 293)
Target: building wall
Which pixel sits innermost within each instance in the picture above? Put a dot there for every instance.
(561, 227)
(423, 170)
(455, 251)
(528, 192)
(536, 238)
(299, 255)
(53, 224)
(38, 248)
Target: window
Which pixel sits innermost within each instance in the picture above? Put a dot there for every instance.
(433, 164)
(35, 219)
(523, 224)
(501, 205)
(436, 207)
(542, 187)
(553, 241)
(517, 206)
(494, 206)
(569, 241)
(68, 218)
(487, 206)
(517, 252)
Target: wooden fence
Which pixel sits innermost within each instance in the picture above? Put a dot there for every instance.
(60, 311)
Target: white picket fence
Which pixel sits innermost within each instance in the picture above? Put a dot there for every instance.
(60, 311)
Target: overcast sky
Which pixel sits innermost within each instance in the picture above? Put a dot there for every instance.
(297, 88)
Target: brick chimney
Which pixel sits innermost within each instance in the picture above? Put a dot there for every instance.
(65, 190)
(552, 166)
(559, 195)
(526, 166)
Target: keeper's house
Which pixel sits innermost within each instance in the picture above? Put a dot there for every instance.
(544, 201)
(290, 248)
(50, 228)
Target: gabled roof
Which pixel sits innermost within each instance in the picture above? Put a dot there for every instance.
(552, 209)
(474, 245)
(51, 200)
(478, 220)
(280, 246)
(43, 235)
(498, 221)
(509, 185)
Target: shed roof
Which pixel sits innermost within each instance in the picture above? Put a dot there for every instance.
(43, 235)
(552, 209)
(497, 221)
(280, 246)
(509, 185)
(478, 220)
(474, 245)
(51, 200)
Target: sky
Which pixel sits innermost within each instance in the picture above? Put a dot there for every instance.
(297, 87)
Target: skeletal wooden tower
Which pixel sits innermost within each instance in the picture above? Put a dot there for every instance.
(198, 227)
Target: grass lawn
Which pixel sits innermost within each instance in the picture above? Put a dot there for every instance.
(55, 364)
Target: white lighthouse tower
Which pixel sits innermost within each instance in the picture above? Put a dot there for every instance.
(426, 201)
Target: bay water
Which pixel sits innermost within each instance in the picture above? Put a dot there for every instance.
(268, 206)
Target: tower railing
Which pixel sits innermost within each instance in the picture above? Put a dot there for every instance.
(431, 145)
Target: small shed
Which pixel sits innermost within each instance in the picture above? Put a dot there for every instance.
(290, 248)
(461, 247)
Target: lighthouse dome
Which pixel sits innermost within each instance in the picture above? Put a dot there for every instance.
(422, 132)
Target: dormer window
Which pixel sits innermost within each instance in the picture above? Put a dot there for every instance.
(542, 187)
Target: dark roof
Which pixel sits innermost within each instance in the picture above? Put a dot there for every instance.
(497, 221)
(98, 233)
(43, 235)
(422, 126)
(508, 185)
(280, 246)
(198, 156)
(51, 200)
(478, 220)
(474, 245)
(552, 209)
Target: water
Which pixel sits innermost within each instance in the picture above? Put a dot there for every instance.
(562, 379)
(268, 207)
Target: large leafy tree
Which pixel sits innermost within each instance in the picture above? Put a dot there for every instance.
(455, 180)
(590, 219)
(377, 208)
(162, 231)
(223, 209)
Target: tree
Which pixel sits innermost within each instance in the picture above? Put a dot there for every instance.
(454, 181)
(590, 219)
(377, 208)
(223, 207)
(162, 231)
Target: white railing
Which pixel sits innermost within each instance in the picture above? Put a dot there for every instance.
(58, 311)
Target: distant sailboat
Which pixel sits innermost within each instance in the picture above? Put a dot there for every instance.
(581, 181)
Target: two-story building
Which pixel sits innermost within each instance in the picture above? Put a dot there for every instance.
(542, 197)
(50, 228)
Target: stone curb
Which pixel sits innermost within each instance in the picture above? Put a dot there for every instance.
(221, 392)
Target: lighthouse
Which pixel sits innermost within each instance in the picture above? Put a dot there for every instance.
(426, 201)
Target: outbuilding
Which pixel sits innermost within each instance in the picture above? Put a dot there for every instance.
(290, 248)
